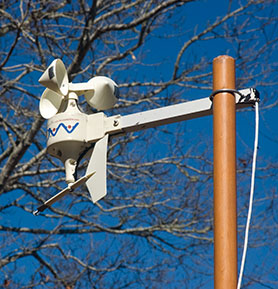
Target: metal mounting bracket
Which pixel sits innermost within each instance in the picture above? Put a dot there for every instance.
(177, 112)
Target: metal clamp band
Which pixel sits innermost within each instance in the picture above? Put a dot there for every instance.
(229, 90)
(245, 95)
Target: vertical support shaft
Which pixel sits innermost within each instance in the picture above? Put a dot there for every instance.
(224, 142)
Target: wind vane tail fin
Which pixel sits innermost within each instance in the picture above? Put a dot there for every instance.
(98, 163)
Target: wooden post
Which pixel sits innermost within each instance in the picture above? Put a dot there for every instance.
(224, 142)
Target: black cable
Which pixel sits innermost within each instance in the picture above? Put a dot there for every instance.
(80, 158)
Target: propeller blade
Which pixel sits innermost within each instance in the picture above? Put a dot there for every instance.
(97, 183)
(61, 194)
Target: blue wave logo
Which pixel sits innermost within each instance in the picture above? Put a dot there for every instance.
(68, 129)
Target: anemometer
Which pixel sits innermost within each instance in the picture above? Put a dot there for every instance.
(71, 132)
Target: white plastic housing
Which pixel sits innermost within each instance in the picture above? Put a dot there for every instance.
(66, 134)
(64, 129)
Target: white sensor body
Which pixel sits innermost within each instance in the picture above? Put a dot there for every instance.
(66, 136)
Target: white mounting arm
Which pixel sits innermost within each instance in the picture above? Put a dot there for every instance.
(174, 113)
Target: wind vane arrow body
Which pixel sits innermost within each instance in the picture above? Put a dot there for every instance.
(57, 197)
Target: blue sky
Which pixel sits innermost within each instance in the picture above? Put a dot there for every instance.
(161, 49)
